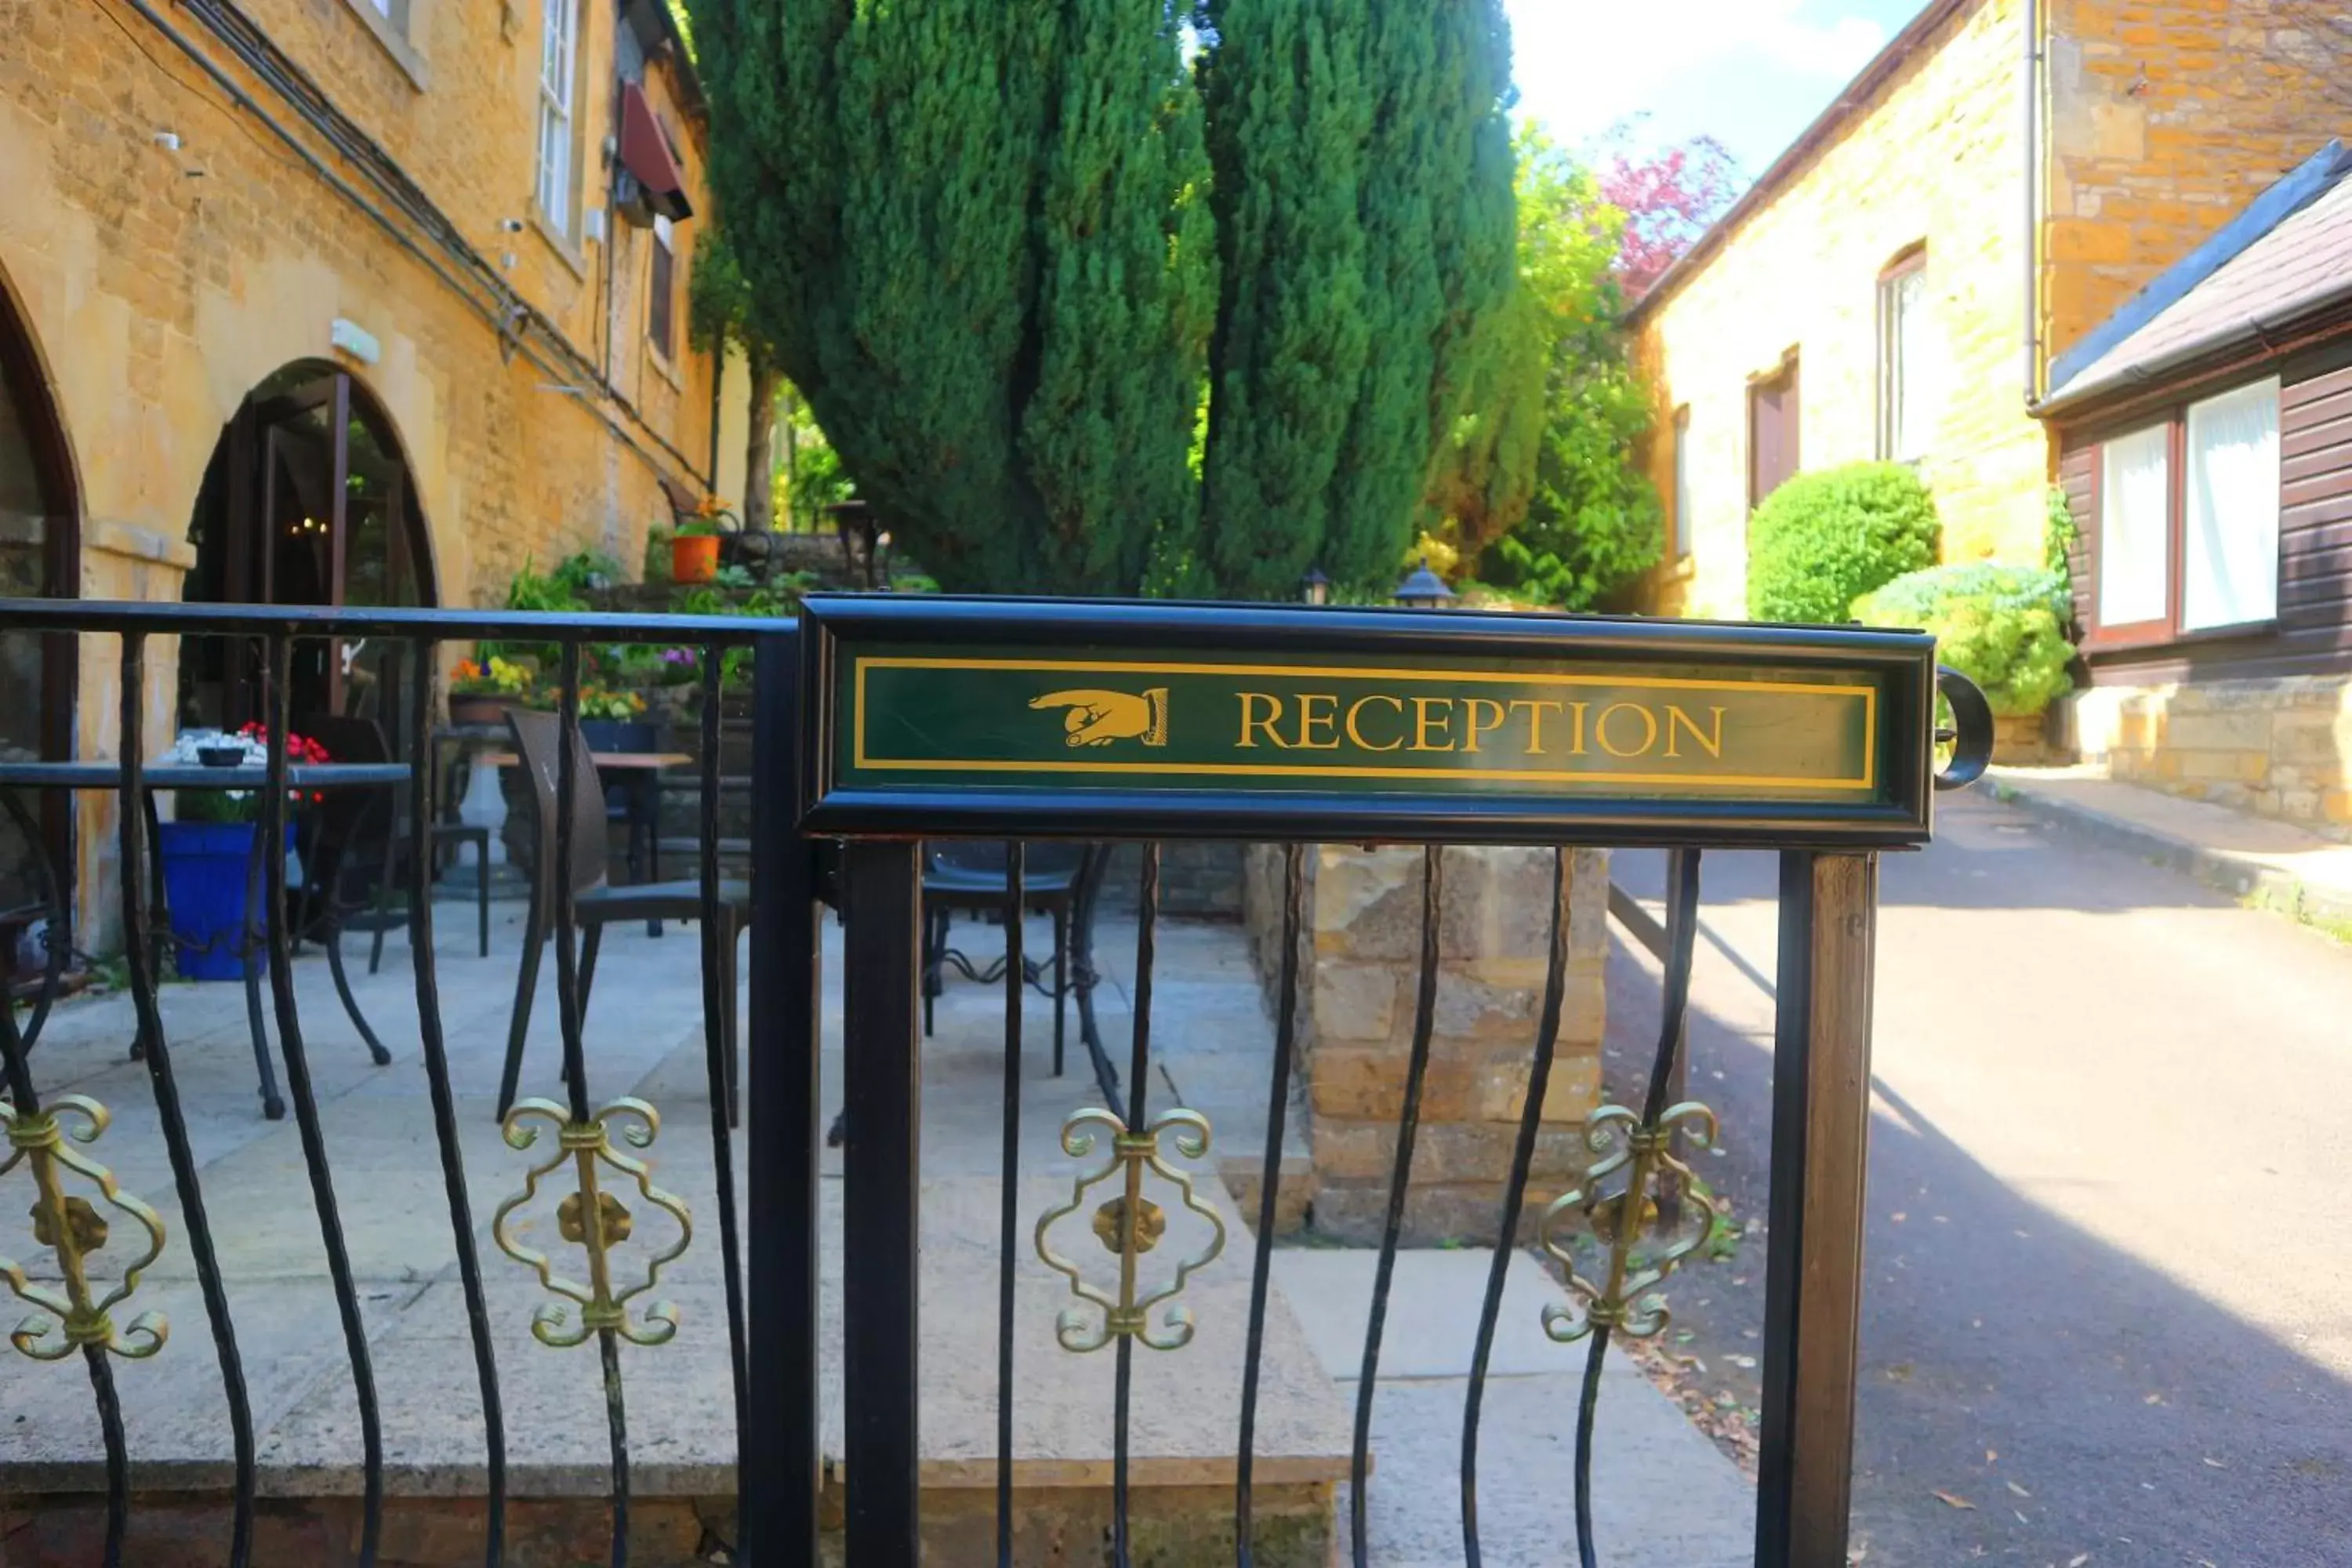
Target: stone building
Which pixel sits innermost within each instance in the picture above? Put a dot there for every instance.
(1991, 186)
(332, 302)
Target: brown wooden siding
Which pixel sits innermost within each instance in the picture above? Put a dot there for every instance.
(2078, 477)
(2314, 635)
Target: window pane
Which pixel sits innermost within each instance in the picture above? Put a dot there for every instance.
(2231, 571)
(2135, 502)
(1915, 347)
(1681, 484)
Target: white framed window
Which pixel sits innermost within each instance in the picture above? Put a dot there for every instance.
(2136, 528)
(1908, 359)
(2230, 553)
(1681, 516)
(558, 57)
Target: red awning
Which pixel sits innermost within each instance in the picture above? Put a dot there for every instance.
(645, 155)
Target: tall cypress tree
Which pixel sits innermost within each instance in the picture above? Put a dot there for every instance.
(975, 225)
(1364, 202)
(985, 233)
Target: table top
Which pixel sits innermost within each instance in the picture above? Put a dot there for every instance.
(603, 759)
(183, 775)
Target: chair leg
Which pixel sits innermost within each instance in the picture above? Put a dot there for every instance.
(591, 939)
(351, 1003)
(1061, 978)
(380, 917)
(482, 899)
(526, 989)
(934, 939)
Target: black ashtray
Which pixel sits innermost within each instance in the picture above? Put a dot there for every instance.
(221, 757)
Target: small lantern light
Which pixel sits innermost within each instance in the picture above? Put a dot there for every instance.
(1315, 588)
(1423, 589)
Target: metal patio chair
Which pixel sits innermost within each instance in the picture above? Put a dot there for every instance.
(596, 903)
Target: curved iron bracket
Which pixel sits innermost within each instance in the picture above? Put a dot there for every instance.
(1971, 736)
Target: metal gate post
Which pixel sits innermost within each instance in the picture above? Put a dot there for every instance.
(882, 1099)
(1820, 1143)
(777, 1461)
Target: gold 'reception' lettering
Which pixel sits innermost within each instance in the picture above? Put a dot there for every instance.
(1649, 730)
(1528, 727)
(1273, 716)
(1422, 726)
(1711, 742)
(1355, 722)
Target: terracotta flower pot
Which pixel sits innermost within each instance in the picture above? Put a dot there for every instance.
(477, 709)
(694, 557)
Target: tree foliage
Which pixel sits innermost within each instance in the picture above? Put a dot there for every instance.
(1537, 477)
(722, 311)
(1670, 196)
(1053, 350)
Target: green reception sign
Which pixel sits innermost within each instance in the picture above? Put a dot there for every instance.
(1356, 726)
(1037, 718)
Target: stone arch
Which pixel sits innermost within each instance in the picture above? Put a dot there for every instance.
(40, 556)
(309, 498)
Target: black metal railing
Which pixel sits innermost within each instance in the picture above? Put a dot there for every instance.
(822, 834)
(1818, 1132)
(75, 1313)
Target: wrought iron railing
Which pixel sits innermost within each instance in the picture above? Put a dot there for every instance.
(834, 825)
(602, 1185)
(1133, 1152)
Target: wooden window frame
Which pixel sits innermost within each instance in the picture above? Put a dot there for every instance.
(2167, 630)
(561, 213)
(1788, 378)
(1909, 263)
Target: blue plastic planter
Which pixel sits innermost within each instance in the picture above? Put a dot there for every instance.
(207, 869)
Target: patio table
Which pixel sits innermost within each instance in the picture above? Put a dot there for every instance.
(312, 777)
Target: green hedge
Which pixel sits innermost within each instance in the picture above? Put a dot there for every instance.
(1824, 540)
(2004, 628)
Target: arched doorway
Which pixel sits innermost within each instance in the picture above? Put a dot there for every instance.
(40, 557)
(308, 501)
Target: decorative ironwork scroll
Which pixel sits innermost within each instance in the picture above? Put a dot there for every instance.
(1620, 1220)
(595, 1220)
(75, 1228)
(1128, 1225)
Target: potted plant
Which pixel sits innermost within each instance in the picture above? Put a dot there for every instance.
(480, 693)
(610, 720)
(212, 875)
(694, 549)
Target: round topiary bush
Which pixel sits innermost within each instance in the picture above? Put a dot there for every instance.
(1824, 540)
(2004, 628)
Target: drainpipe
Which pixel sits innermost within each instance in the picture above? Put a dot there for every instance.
(2030, 77)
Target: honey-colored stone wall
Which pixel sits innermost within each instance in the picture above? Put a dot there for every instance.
(2167, 117)
(168, 250)
(1934, 158)
(2278, 747)
(1361, 956)
(2159, 121)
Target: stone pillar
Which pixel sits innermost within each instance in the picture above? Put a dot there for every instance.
(1361, 941)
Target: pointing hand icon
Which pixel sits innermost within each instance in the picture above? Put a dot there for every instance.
(1099, 718)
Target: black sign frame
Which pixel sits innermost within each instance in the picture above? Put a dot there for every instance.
(835, 628)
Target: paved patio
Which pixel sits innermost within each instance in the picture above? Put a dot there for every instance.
(644, 1040)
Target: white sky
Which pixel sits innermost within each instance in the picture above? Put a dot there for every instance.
(1753, 73)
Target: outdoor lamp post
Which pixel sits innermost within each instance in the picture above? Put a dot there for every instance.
(1422, 589)
(1315, 588)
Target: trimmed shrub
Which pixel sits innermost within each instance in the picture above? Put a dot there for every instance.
(1824, 540)
(2004, 628)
